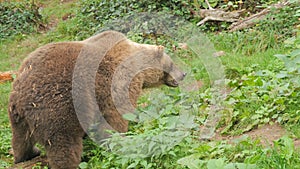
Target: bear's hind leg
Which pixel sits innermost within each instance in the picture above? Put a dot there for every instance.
(64, 152)
(23, 143)
(116, 120)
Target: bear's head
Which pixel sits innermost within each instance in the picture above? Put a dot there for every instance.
(172, 74)
(162, 69)
(143, 64)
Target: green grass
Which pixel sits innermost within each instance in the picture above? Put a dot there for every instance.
(5, 132)
(57, 8)
(264, 59)
(13, 51)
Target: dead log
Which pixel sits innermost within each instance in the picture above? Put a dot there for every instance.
(254, 19)
(40, 161)
(7, 76)
(219, 15)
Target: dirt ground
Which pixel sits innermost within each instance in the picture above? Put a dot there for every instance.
(267, 134)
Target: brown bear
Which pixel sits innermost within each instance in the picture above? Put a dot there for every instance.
(41, 105)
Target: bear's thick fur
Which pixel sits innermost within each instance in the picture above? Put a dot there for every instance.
(41, 108)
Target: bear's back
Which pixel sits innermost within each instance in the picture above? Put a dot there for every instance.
(51, 58)
(45, 76)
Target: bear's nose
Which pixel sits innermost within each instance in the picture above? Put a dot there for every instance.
(184, 74)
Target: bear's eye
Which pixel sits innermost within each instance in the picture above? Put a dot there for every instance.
(169, 68)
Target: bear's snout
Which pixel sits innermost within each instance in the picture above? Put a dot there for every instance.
(173, 79)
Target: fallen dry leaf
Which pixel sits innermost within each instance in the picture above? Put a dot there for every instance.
(6, 76)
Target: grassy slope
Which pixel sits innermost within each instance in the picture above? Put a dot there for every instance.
(5, 133)
(12, 52)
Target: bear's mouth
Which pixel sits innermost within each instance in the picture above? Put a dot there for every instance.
(174, 82)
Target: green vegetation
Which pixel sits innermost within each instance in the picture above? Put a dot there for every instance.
(19, 18)
(5, 134)
(262, 67)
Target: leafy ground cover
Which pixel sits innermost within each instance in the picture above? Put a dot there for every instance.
(262, 86)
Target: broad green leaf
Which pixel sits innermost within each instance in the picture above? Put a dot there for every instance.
(192, 162)
(281, 56)
(290, 41)
(130, 117)
(144, 163)
(295, 53)
(133, 165)
(288, 146)
(83, 165)
(171, 122)
(282, 75)
(151, 145)
(240, 166)
(216, 164)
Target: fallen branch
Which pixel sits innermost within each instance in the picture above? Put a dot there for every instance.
(37, 162)
(254, 19)
(218, 15)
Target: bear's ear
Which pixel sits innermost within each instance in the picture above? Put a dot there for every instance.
(160, 47)
(160, 51)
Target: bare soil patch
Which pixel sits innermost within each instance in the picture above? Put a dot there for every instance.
(266, 134)
(66, 1)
